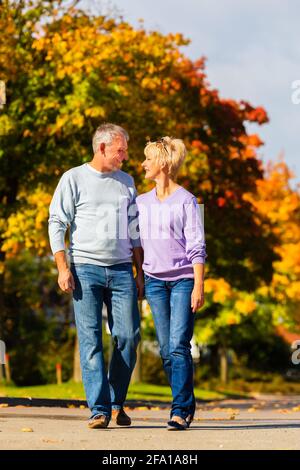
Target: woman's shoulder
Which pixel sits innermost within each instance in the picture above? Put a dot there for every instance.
(145, 196)
(186, 195)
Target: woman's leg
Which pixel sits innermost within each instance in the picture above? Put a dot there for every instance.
(158, 296)
(181, 332)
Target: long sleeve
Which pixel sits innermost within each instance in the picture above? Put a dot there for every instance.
(133, 220)
(61, 213)
(194, 233)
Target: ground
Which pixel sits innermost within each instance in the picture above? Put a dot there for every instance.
(267, 422)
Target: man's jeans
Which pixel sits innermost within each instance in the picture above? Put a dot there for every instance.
(170, 303)
(115, 285)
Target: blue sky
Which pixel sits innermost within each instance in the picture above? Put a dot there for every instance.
(253, 53)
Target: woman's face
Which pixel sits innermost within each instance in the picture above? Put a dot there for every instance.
(152, 168)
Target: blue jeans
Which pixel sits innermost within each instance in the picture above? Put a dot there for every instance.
(170, 303)
(114, 285)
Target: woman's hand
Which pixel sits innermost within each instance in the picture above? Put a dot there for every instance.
(197, 297)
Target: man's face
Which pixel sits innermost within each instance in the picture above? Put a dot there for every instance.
(115, 153)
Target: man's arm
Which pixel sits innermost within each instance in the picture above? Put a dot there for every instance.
(61, 214)
(65, 277)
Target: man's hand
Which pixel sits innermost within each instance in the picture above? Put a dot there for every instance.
(66, 280)
(197, 297)
(139, 280)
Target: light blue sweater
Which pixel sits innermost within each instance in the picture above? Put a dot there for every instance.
(101, 212)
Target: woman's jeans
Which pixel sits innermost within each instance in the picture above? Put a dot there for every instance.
(170, 303)
(114, 285)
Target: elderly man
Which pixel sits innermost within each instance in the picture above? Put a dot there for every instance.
(97, 201)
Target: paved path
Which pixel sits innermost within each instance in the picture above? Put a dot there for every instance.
(264, 423)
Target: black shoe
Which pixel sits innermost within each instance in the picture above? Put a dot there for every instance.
(120, 417)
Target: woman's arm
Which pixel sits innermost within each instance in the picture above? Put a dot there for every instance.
(197, 297)
(195, 250)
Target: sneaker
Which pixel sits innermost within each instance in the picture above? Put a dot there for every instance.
(98, 421)
(177, 424)
(120, 417)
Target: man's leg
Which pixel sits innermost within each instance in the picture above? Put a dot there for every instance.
(124, 323)
(88, 301)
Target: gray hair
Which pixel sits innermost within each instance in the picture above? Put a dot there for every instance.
(106, 133)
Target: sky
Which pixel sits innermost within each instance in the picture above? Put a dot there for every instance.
(253, 53)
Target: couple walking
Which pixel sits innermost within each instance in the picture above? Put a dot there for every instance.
(161, 231)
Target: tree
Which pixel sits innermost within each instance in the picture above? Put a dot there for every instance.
(68, 72)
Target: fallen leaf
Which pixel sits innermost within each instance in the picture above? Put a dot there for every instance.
(27, 430)
(50, 441)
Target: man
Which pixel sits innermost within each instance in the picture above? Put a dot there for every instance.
(97, 201)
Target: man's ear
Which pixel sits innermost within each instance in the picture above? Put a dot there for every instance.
(102, 147)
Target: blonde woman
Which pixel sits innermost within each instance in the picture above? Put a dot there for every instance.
(172, 237)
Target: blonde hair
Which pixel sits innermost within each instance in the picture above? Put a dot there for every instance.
(167, 151)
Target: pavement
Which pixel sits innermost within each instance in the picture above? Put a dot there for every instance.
(264, 423)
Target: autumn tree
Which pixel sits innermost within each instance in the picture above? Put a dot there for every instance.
(68, 71)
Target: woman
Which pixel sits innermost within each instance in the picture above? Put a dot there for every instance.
(173, 240)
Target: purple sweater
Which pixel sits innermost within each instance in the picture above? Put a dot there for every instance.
(172, 234)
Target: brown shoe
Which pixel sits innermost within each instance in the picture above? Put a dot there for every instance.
(120, 417)
(98, 421)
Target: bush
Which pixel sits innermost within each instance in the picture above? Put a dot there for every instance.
(152, 369)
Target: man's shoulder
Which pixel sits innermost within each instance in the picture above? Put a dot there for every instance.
(72, 172)
(125, 178)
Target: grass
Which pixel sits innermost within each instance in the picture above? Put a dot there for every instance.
(72, 390)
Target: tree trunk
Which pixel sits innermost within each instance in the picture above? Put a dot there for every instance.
(2, 309)
(223, 365)
(137, 372)
(76, 363)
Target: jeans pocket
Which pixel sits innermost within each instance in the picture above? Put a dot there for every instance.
(147, 278)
